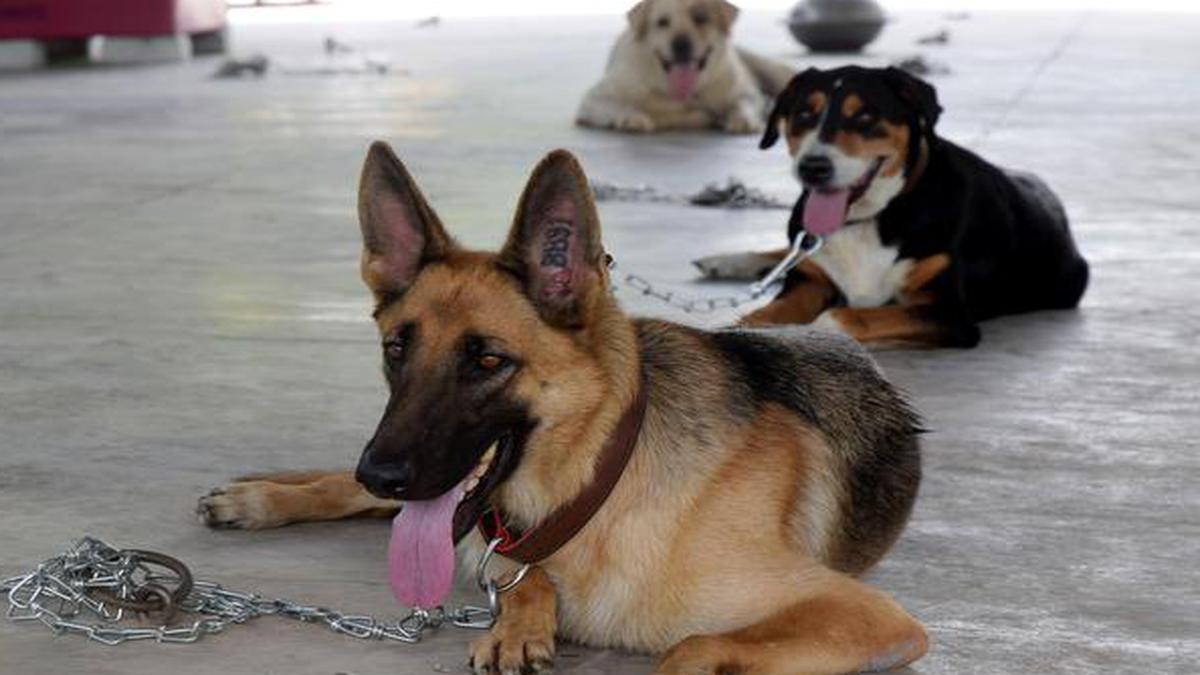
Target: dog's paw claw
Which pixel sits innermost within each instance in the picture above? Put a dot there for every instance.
(210, 512)
(511, 652)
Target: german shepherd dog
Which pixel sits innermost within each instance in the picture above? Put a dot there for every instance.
(923, 238)
(771, 467)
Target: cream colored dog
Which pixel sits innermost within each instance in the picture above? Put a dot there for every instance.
(675, 67)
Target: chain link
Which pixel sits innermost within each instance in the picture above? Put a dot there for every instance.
(733, 195)
(805, 246)
(86, 590)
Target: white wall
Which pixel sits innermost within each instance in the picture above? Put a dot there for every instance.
(417, 8)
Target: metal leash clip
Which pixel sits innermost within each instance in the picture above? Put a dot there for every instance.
(488, 584)
(795, 254)
(804, 246)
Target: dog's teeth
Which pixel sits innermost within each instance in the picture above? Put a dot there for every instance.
(485, 462)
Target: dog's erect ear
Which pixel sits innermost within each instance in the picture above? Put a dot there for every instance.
(918, 94)
(727, 13)
(401, 233)
(554, 246)
(784, 103)
(639, 18)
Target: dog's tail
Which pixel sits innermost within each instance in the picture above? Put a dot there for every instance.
(772, 76)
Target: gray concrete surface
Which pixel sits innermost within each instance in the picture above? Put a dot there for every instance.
(179, 304)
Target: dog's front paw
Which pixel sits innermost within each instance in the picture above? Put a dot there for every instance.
(735, 266)
(636, 122)
(514, 646)
(831, 320)
(242, 506)
(743, 122)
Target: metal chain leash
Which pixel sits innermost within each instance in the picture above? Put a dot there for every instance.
(734, 195)
(1000, 121)
(92, 587)
(805, 246)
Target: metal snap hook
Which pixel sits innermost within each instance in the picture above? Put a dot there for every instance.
(484, 581)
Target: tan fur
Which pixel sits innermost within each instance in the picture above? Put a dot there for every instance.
(716, 543)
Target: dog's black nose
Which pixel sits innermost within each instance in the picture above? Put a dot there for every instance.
(815, 169)
(681, 49)
(388, 480)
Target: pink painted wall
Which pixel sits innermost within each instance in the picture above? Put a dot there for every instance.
(81, 18)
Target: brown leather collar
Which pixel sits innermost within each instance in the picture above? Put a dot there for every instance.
(544, 539)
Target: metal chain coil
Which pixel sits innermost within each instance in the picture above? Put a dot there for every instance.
(92, 587)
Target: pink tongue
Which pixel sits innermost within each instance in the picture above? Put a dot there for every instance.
(825, 212)
(421, 552)
(683, 77)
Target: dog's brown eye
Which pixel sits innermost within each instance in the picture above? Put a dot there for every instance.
(393, 349)
(700, 19)
(864, 119)
(664, 22)
(489, 362)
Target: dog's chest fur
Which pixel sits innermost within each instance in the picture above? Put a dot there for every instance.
(868, 273)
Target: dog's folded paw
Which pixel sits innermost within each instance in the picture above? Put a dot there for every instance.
(636, 122)
(735, 266)
(240, 506)
(740, 122)
(513, 648)
(831, 321)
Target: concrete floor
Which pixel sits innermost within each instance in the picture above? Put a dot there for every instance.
(179, 304)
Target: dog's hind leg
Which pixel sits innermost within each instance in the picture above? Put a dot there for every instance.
(259, 502)
(900, 326)
(848, 627)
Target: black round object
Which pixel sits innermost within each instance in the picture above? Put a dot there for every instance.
(836, 25)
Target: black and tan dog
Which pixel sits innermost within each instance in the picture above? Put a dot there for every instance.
(745, 476)
(923, 239)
